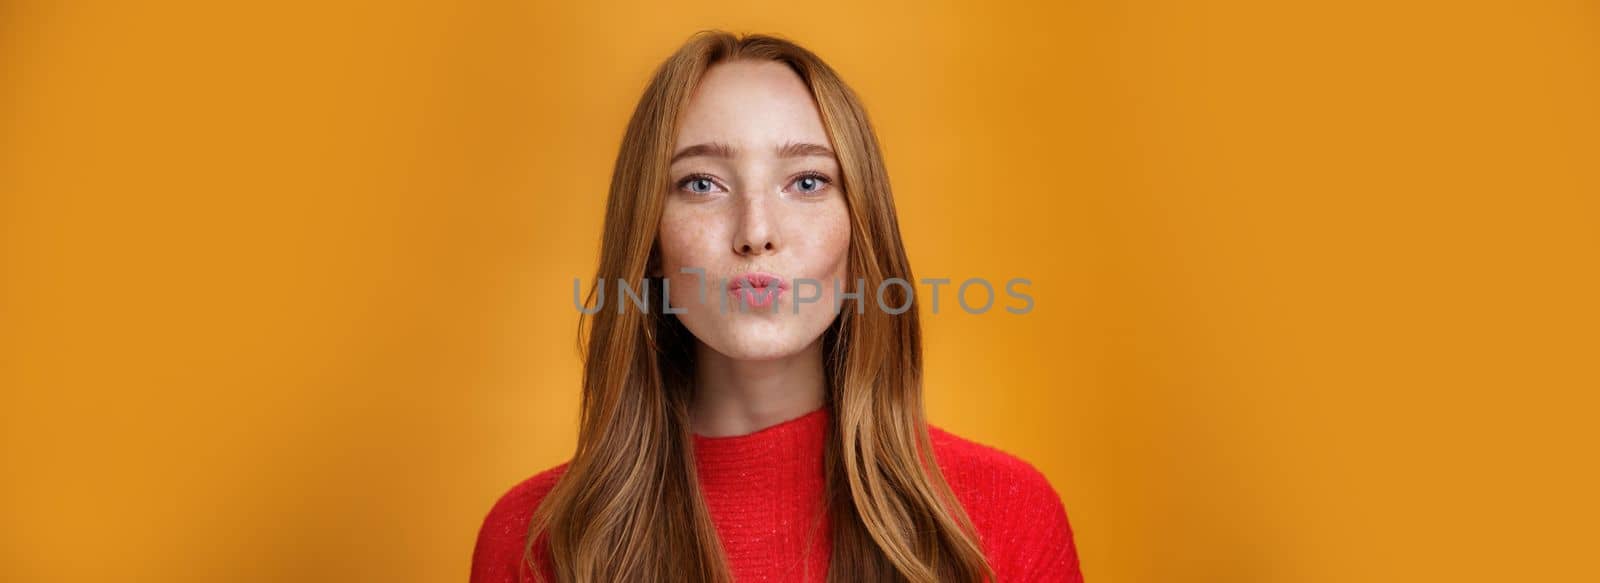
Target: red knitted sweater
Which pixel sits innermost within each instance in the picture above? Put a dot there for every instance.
(764, 489)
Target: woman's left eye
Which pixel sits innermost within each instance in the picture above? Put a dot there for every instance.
(698, 184)
(809, 183)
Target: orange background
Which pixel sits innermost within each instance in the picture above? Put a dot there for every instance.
(285, 288)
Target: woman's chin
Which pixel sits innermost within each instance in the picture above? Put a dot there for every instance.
(759, 348)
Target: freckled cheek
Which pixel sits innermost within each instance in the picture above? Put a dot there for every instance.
(827, 244)
(686, 240)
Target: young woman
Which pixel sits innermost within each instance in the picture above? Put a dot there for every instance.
(752, 410)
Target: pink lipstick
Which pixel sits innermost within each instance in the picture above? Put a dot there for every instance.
(758, 289)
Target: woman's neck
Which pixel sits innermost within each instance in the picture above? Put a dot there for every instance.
(736, 397)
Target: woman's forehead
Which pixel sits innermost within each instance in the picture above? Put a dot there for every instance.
(752, 107)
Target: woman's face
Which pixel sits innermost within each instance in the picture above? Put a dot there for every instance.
(755, 189)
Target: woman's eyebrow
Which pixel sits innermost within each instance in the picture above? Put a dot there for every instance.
(801, 150)
(716, 149)
(721, 150)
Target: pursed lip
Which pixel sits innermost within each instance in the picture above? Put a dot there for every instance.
(757, 280)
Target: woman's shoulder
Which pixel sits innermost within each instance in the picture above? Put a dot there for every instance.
(976, 467)
(498, 552)
(527, 494)
(988, 473)
(1019, 516)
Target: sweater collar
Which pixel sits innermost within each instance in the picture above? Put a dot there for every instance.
(800, 438)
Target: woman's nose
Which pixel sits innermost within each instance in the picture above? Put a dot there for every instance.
(756, 234)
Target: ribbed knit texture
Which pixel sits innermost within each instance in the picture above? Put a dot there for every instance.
(765, 492)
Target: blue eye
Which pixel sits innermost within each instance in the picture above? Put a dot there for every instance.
(810, 183)
(698, 184)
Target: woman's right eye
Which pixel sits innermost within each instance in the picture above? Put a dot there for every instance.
(699, 184)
